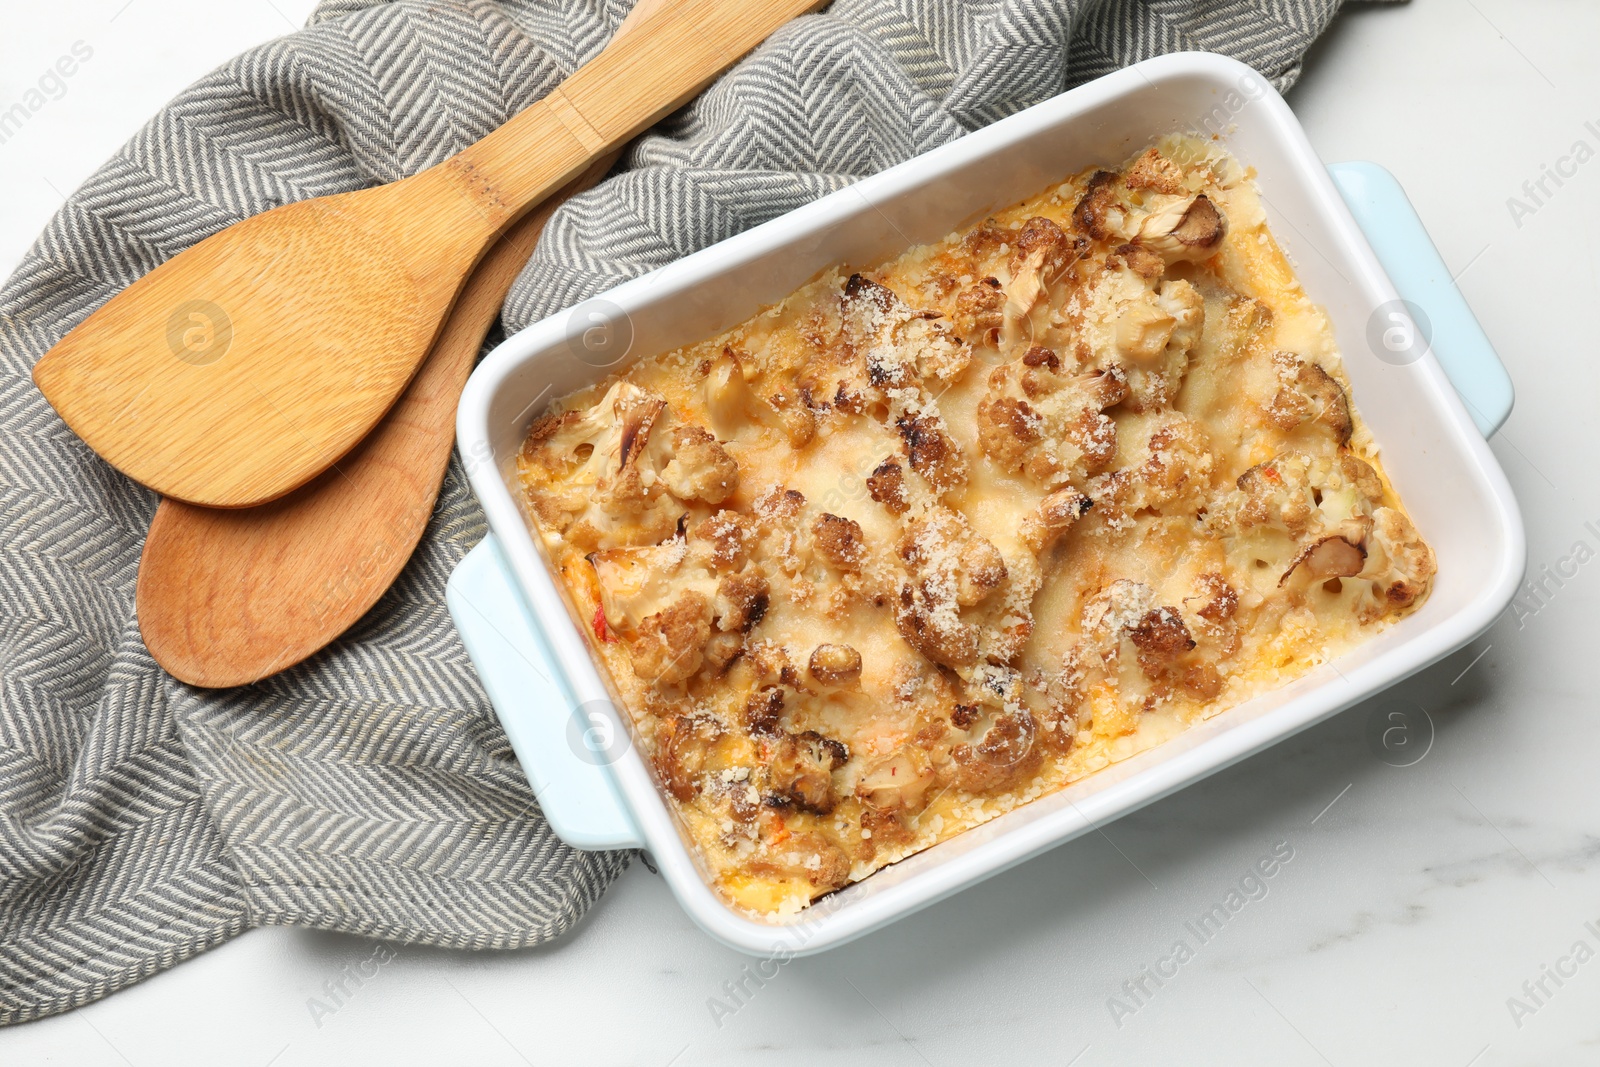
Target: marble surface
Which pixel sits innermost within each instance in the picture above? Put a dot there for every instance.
(1425, 914)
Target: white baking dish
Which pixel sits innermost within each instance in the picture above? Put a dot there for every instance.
(530, 650)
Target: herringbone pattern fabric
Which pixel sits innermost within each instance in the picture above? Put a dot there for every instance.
(371, 790)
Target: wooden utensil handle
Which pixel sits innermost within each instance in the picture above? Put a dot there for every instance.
(672, 53)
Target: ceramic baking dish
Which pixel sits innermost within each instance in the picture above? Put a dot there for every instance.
(1359, 249)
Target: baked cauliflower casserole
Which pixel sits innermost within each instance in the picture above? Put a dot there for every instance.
(921, 544)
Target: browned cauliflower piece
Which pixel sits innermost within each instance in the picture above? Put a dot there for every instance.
(940, 354)
(1361, 475)
(1178, 470)
(1055, 515)
(1399, 562)
(1184, 228)
(839, 541)
(1041, 246)
(980, 570)
(933, 628)
(669, 647)
(683, 751)
(1041, 373)
(1307, 394)
(980, 313)
(741, 602)
(1161, 639)
(1221, 599)
(887, 486)
(732, 403)
(1042, 255)
(835, 666)
(1277, 493)
(1100, 211)
(699, 468)
(1002, 753)
(808, 857)
(794, 417)
(931, 450)
(951, 567)
(1139, 259)
(1334, 556)
(1156, 172)
(724, 539)
(1173, 475)
(1154, 335)
(1008, 430)
(800, 772)
(763, 711)
(585, 471)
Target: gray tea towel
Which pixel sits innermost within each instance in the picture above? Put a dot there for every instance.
(371, 790)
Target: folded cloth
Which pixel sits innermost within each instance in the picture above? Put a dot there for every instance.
(371, 790)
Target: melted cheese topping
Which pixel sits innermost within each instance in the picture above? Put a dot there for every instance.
(916, 546)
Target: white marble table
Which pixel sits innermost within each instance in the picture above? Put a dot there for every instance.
(1418, 900)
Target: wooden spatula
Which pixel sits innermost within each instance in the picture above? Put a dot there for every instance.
(243, 367)
(228, 597)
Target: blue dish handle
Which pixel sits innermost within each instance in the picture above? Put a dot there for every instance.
(1409, 257)
(530, 695)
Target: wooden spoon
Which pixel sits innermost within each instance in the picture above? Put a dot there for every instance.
(228, 597)
(244, 366)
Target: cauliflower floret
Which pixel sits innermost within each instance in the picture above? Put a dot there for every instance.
(1008, 430)
(584, 474)
(1399, 561)
(1044, 248)
(1184, 228)
(1162, 640)
(1043, 252)
(980, 313)
(1173, 475)
(1156, 172)
(887, 485)
(800, 771)
(683, 751)
(1334, 556)
(839, 541)
(741, 602)
(617, 473)
(732, 404)
(809, 857)
(1102, 211)
(934, 629)
(699, 467)
(1055, 515)
(835, 666)
(898, 782)
(1277, 493)
(1154, 334)
(1002, 749)
(931, 451)
(1060, 431)
(951, 567)
(723, 540)
(1307, 394)
(669, 647)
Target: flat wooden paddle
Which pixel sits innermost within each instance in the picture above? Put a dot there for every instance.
(228, 597)
(244, 366)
